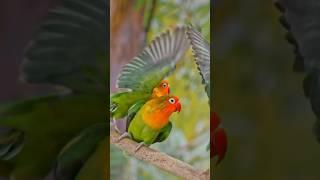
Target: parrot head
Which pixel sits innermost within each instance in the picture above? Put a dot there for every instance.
(162, 89)
(156, 112)
(218, 139)
(173, 104)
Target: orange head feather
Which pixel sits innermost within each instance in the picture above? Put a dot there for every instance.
(158, 111)
(162, 89)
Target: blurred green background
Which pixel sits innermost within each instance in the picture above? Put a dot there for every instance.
(190, 134)
(258, 96)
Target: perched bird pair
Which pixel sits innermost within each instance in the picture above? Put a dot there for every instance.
(147, 104)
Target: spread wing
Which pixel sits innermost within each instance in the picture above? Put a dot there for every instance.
(69, 48)
(201, 52)
(155, 62)
(302, 21)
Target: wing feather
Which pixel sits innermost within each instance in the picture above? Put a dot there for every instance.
(155, 62)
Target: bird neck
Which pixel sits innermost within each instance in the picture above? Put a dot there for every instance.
(157, 119)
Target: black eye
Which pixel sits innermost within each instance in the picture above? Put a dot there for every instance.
(164, 85)
(172, 101)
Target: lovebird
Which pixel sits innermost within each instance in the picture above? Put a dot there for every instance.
(148, 123)
(143, 76)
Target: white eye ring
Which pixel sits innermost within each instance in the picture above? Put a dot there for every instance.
(164, 85)
(172, 101)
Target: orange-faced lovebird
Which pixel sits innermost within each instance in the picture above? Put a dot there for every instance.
(148, 122)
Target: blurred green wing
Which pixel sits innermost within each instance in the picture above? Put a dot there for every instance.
(74, 155)
(155, 62)
(70, 46)
(97, 165)
(302, 22)
(201, 52)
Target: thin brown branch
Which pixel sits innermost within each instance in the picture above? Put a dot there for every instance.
(159, 159)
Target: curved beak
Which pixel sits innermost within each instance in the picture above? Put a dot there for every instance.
(178, 107)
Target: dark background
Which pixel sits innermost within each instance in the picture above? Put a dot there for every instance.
(259, 97)
(19, 19)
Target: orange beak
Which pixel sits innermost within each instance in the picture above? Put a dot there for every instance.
(178, 107)
(168, 90)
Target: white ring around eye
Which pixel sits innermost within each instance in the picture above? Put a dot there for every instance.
(164, 85)
(172, 101)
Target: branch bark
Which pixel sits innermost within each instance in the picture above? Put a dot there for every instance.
(159, 159)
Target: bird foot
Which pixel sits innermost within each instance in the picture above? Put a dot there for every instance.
(115, 126)
(139, 146)
(124, 135)
(117, 129)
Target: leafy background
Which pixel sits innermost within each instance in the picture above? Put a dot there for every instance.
(190, 135)
(259, 98)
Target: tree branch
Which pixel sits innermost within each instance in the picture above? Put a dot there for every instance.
(159, 159)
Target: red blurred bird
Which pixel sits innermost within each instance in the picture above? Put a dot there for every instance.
(218, 140)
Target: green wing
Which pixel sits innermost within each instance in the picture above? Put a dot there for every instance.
(164, 133)
(133, 111)
(69, 48)
(201, 52)
(121, 102)
(44, 127)
(155, 62)
(75, 154)
(97, 165)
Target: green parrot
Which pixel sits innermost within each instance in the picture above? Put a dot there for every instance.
(148, 122)
(143, 77)
(68, 51)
